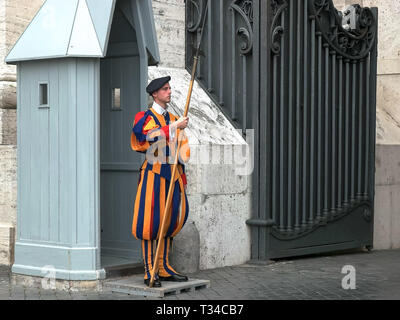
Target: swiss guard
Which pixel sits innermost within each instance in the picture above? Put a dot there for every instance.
(154, 133)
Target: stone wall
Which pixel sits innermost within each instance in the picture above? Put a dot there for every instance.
(8, 202)
(387, 195)
(169, 18)
(387, 158)
(387, 187)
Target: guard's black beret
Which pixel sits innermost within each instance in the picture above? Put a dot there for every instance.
(157, 84)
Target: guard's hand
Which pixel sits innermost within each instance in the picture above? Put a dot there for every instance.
(181, 123)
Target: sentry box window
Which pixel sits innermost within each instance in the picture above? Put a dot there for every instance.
(43, 95)
(116, 99)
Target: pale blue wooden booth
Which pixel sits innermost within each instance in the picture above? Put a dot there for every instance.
(82, 72)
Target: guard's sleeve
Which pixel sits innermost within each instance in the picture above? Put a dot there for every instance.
(153, 130)
(145, 132)
(138, 138)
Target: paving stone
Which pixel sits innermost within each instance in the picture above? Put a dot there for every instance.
(48, 298)
(63, 295)
(4, 296)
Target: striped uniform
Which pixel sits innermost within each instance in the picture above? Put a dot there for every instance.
(149, 248)
(149, 130)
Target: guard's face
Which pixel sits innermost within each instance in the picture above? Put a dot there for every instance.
(164, 94)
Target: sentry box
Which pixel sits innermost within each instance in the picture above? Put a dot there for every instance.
(82, 72)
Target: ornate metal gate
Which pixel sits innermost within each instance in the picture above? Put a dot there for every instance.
(292, 71)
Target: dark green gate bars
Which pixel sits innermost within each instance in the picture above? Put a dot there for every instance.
(303, 76)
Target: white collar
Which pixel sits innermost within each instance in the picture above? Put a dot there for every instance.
(157, 108)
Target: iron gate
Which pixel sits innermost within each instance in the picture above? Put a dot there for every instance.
(292, 71)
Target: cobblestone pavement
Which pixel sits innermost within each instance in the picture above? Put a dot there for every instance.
(312, 277)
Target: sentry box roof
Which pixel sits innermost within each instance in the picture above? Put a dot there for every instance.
(78, 28)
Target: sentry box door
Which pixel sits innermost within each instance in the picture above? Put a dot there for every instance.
(120, 101)
(123, 77)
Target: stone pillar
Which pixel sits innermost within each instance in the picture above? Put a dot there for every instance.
(169, 18)
(387, 182)
(185, 253)
(387, 186)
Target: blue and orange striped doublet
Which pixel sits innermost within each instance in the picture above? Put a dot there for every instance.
(155, 178)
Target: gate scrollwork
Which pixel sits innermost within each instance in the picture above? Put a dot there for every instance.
(194, 22)
(277, 8)
(353, 43)
(245, 10)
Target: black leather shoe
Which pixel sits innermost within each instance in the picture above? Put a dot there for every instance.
(156, 284)
(175, 278)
